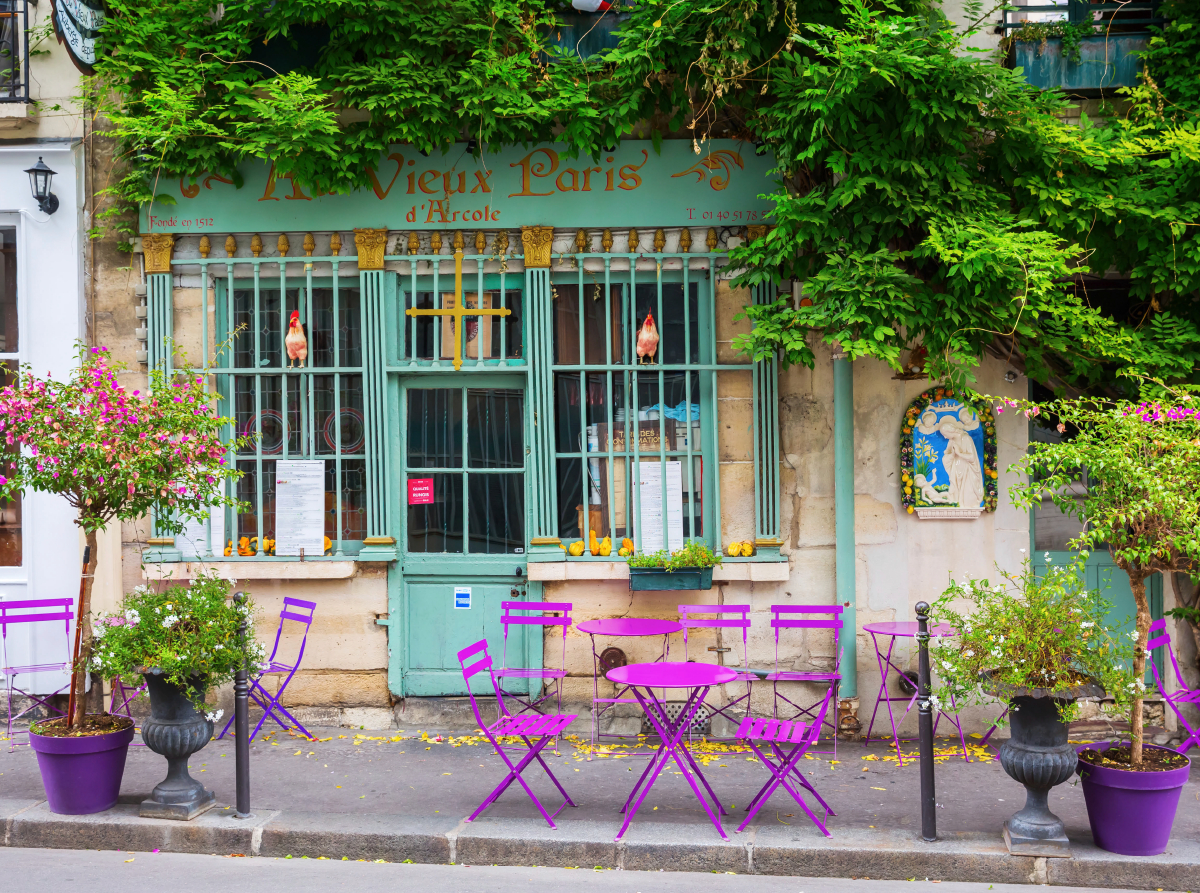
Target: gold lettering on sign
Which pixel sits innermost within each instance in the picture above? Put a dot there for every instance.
(157, 251)
(530, 168)
(376, 187)
(538, 242)
(481, 182)
(269, 192)
(628, 172)
(371, 244)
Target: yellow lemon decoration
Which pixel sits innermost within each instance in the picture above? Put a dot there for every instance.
(747, 549)
(328, 546)
(623, 552)
(734, 550)
(606, 546)
(576, 548)
(627, 543)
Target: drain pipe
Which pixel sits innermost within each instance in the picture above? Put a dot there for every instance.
(843, 496)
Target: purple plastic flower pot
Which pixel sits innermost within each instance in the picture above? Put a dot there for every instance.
(1131, 813)
(82, 775)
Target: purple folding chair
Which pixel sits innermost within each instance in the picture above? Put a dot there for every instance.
(293, 609)
(1184, 695)
(775, 734)
(742, 622)
(779, 621)
(121, 696)
(542, 726)
(37, 610)
(547, 615)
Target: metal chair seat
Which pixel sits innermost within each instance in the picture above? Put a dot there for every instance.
(533, 673)
(533, 724)
(792, 676)
(781, 731)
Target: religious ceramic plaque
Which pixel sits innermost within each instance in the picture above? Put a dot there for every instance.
(948, 456)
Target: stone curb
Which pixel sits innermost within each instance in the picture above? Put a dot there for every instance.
(770, 850)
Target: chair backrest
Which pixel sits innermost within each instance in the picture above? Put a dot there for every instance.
(782, 730)
(301, 612)
(1159, 641)
(739, 620)
(802, 617)
(34, 610)
(482, 665)
(514, 614)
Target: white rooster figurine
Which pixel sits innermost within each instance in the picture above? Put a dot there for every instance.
(647, 339)
(295, 342)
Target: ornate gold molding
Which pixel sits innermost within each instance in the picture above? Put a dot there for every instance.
(755, 232)
(371, 245)
(379, 541)
(545, 541)
(157, 249)
(538, 242)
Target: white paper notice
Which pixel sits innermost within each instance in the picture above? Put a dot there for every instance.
(299, 507)
(192, 543)
(650, 492)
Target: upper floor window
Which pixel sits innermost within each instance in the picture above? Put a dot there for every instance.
(14, 50)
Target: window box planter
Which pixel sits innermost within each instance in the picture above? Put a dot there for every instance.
(1105, 62)
(656, 579)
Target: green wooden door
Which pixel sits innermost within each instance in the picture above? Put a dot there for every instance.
(462, 483)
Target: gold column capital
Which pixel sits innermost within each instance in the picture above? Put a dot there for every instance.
(157, 250)
(538, 242)
(755, 232)
(371, 245)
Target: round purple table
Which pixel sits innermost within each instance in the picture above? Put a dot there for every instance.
(642, 679)
(620, 626)
(903, 629)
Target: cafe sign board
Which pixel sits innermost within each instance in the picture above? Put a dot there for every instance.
(634, 184)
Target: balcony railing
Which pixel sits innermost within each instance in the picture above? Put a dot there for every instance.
(1080, 46)
(14, 50)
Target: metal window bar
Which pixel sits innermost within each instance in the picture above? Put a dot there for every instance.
(14, 50)
(295, 389)
(625, 366)
(1103, 15)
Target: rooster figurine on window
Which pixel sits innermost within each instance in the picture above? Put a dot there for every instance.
(295, 342)
(647, 339)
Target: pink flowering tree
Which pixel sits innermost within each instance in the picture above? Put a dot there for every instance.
(114, 455)
(1143, 477)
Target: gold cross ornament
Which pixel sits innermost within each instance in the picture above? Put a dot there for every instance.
(458, 311)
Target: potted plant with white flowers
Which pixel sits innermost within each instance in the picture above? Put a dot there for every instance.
(1039, 641)
(181, 640)
(1142, 462)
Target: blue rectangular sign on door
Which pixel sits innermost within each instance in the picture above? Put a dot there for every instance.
(462, 597)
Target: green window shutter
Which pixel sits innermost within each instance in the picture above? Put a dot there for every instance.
(543, 506)
(766, 444)
(373, 283)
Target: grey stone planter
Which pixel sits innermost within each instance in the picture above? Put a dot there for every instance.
(176, 730)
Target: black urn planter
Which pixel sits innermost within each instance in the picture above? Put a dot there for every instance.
(176, 730)
(1039, 757)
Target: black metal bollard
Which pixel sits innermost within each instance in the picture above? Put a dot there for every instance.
(241, 724)
(925, 726)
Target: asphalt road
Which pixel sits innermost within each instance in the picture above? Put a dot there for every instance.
(123, 872)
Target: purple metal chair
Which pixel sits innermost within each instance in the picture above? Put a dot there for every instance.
(742, 622)
(293, 609)
(775, 734)
(547, 615)
(119, 699)
(37, 610)
(1184, 695)
(542, 726)
(781, 620)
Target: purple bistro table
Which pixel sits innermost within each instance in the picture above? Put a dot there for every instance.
(904, 629)
(620, 626)
(643, 679)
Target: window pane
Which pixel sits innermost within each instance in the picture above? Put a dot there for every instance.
(267, 418)
(8, 290)
(422, 346)
(496, 512)
(10, 509)
(671, 346)
(269, 327)
(438, 526)
(567, 419)
(353, 500)
(674, 411)
(495, 428)
(247, 492)
(566, 323)
(435, 428)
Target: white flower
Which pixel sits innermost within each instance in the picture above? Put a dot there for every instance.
(935, 702)
(968, 653)
(99, 630)
(218, 647)
(1133, 634)
(1088, 624)
(1022, 551)
(214, 717)
(1047, 556)
(132, 616)
(946, 665)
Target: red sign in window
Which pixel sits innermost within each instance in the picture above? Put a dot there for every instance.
(420, 491)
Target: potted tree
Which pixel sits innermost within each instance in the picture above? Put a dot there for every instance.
(181, 640)
(689, 567)
(1143, 474)
(114, 455)
(1039, 642)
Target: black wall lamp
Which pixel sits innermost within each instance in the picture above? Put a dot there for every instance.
(39, 180)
